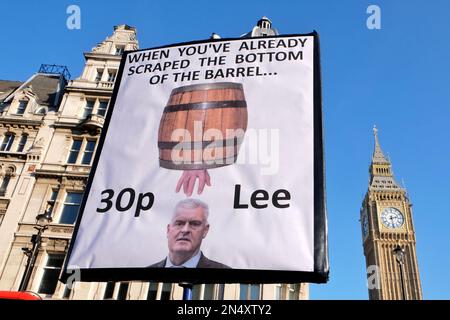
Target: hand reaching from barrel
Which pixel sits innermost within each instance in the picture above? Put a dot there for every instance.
(187, 180)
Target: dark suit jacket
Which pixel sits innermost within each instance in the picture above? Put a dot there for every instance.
(204, 262)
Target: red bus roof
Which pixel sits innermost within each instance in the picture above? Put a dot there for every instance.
(19, 295)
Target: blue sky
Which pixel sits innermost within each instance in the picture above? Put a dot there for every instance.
(396, 78)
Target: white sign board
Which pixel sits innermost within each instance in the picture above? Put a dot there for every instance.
(210, 161)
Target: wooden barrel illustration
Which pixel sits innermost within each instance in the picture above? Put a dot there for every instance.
(202, 126)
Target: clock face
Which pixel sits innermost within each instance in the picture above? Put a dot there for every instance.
(392, 218)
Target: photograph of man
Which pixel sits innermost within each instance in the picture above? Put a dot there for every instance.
(185, 232)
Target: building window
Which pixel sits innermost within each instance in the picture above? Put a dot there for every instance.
(111, 75)
(102, 106)
(52, 199)
(196, 292)
(22, 142)
(243, 288)
(123, 291)
(71, 206)
(84, 146)
(152, 291)
(22, 106)
(293, 291)
(67, 292)
(204, 291)
(74, 151)
(41, 111)
(250, 292)
(50, 277)
(119, 50)
(4, 185)
(6, 178)
(208, 293)
(95, 106)
(88, 107)
(4, 105)
(109, 290)
(255, 292)
(278, 292)
(8, 140)
(220, 292)
(165, 291)
(99, 75)
(88, 152)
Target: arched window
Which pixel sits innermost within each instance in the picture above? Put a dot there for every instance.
(22, 142)
(5, 181)
(4, 185)
(8, 140)
(41, 111)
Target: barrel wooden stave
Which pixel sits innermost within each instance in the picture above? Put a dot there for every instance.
(233, 116)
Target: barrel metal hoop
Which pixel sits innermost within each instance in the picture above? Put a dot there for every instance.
(208, 86)
(197, 145)
(192, 165)
(206, 105)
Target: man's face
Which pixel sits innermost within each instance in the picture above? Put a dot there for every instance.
(186, 231)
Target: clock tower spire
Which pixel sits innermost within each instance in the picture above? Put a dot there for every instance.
(386, 221)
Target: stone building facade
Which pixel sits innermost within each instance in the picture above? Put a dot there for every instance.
(49, 132)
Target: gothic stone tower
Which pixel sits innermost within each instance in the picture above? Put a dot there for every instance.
(386, 221)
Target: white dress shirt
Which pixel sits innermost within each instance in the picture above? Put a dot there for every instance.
(191, 263)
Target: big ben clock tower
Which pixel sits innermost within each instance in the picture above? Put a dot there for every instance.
(387, 224)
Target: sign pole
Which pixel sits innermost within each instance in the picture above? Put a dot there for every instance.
(187, 290)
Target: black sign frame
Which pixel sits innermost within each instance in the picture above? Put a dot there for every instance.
(201, 275)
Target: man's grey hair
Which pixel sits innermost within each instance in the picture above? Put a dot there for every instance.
(192, 204)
